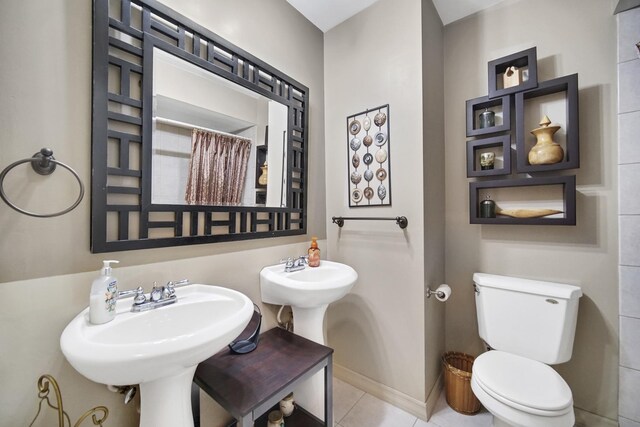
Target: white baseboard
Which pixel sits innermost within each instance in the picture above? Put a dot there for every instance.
(386, 393)
(589, 419)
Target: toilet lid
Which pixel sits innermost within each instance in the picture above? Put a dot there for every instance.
(525, 382)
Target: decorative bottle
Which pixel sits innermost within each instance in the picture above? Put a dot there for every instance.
(314, 253)
(104, 293)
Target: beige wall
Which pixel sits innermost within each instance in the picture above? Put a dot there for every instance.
(433, 181)
(572, 36)
(45, 83)
(378, 330)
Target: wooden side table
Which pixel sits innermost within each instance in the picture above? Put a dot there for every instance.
(249, 385)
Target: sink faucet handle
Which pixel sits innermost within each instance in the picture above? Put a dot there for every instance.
(156, 292)
(139, 297)
(130, 293)
(183, 282)
(170, 290)
(301, 261)
(288, 262)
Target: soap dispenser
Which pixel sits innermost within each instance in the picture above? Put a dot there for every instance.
(314, 253)
(104, 292)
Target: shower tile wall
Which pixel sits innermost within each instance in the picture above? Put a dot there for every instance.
(629, 211)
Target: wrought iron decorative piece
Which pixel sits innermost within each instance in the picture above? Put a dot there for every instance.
(360, 142)
(98, 414)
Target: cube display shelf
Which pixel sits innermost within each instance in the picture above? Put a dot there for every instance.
(567, 185)
(477, 146)
(525, 62)
(569, 86)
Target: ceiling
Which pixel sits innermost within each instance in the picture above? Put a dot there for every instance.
(326, 14)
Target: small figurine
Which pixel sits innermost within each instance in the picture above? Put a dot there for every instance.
(512, 77)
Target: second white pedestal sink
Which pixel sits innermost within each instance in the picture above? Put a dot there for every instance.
(158, 349)
(309, 292)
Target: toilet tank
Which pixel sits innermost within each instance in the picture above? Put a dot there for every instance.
(530, 318)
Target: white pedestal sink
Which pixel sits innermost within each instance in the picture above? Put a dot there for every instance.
(158, 349)
(309, 292)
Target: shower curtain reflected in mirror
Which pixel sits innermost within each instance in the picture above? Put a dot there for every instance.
(217, 168)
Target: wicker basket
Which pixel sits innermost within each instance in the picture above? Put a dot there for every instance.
(457, 382)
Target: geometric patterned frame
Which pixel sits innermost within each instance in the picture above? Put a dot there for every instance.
(122, 215)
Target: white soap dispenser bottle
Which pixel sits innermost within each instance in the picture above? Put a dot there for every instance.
(104, 293)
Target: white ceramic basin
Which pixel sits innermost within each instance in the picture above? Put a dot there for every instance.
(158, 349)
(311, 287)
(309, 292)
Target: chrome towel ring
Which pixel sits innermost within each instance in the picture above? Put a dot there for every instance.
(42, 163)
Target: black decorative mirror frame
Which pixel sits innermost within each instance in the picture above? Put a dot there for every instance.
(123, 216)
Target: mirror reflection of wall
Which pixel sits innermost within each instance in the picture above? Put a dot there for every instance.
(277, 155)
(187, 97)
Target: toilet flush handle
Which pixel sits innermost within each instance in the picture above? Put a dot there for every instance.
(475, 289)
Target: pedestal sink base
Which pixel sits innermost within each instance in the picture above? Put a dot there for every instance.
(166, 402)
(308, 323)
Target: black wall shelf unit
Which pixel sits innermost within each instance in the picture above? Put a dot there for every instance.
(526, 59)
(476, 146)
(520, 94)
(568, 184)
(569, 85)
(477, 105)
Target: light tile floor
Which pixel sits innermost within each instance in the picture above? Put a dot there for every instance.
(353, 407)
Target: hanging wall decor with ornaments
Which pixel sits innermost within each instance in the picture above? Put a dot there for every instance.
(368, 158)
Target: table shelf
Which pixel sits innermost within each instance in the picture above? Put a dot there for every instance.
(249, 385)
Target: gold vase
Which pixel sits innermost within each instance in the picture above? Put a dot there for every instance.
(546, 151)
(262, 180)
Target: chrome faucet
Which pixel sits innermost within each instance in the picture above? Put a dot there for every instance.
(158, 297)
(297, 264)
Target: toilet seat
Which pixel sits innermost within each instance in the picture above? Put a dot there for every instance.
(523, 384)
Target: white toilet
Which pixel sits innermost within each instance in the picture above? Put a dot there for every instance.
(529, 325)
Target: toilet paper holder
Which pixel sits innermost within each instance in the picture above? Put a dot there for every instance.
(441, 293)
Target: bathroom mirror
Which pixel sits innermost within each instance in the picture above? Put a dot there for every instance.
(207, 102)
(194, 140)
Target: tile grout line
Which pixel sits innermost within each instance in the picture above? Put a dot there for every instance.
(352, 406)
